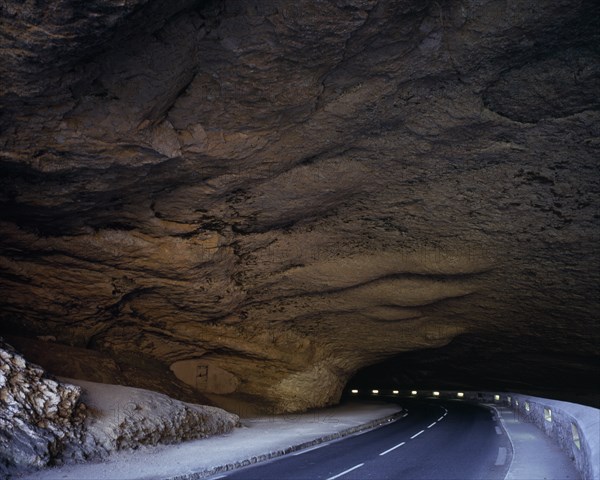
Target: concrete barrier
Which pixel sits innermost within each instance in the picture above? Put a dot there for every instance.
(575, 428)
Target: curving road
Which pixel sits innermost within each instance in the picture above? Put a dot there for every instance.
(437, 439)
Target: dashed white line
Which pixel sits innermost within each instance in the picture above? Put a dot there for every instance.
(309, 449)
(498, 430)
(417, 434)
(501, 459)
(440, 419)
(390, 449)
(512, 444)
(432, 425)
(346, 471)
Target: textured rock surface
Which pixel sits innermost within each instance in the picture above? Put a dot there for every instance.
(290, 191)
(87, 364)
(124, 418)
(40, 419)
(46, 422)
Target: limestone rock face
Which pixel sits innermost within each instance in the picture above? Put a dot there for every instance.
(286, 192)
(87, 364)
(40, 419)
(123, 418)
(44, 421)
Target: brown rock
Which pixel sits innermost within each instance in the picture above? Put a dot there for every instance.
(287, 192)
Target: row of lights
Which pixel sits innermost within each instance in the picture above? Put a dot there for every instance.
(415, 392)
(548, 418)
(547, 410)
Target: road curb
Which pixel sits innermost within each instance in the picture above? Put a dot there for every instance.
(200, 474)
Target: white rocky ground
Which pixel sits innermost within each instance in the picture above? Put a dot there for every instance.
(45, 422)
(125, 418)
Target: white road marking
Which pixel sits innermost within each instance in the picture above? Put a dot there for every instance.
(390, 449)
(346, 471)
(432, 425)
(501, 459)
(440, 419)
(417, 434)
(498, 430)
(512, 444)
(310, 449)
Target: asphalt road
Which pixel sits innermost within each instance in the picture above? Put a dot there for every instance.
(438, 439)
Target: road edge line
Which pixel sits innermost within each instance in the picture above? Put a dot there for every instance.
(228, 467)
(512, 445)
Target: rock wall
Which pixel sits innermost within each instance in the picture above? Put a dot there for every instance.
(126, 418)
(41, 420)
(45, 422)
(291, 191)
(574, 428)
(88, 364)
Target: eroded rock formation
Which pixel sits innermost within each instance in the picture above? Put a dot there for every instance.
(280, 193)
(40, 419)
(46, 421)
(125, 418)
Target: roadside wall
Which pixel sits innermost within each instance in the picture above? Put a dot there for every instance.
(575, 428)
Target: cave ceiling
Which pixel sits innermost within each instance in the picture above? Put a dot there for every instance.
(286, 192)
